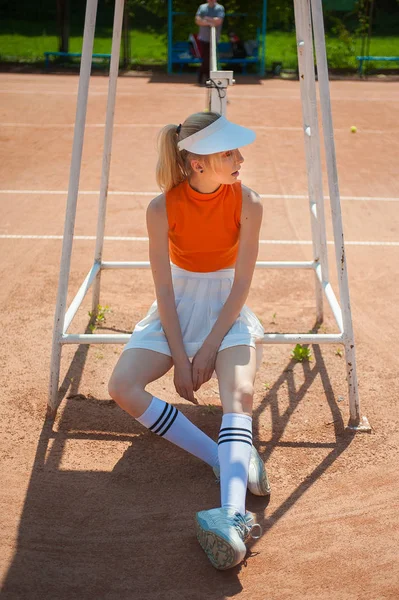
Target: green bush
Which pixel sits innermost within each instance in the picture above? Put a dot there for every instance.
(340, 46)
(340, 55)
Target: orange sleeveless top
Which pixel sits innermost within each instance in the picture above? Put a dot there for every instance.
(204, 228)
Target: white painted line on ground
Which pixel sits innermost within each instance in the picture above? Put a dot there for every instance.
(37, 92)
(345, 129)
(160, 125)
(119, 94)
(88, 125)
(391, 98)
(114, 238)
(304, 197)
(200, 94)
(156, 193)
(81, 193)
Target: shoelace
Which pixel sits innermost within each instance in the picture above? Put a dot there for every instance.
(245, 526)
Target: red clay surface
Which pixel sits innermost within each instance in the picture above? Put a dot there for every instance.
(93, 506)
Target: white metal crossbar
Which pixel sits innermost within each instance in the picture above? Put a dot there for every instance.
(306, 13)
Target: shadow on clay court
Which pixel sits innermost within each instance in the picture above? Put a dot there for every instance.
(343, 437)
(128, 532)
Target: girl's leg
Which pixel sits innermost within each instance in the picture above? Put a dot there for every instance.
(137, 368)
(222, 532)
(236, 370)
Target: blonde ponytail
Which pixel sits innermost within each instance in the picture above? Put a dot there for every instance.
(173, 165)
(170, 167)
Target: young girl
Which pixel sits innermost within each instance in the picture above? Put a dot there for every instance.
(203, 244)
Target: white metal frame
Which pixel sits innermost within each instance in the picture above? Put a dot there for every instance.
(218, 80)
(306, 12)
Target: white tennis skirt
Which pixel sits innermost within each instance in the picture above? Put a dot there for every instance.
(199, 299)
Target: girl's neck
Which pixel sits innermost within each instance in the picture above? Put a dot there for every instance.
(203, 186)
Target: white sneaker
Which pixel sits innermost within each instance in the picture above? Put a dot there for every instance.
(258, 481)
(222, 533)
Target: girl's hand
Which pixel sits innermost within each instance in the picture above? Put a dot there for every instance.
(203, 365)
(183, 381)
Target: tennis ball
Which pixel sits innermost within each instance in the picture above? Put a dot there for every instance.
(353, 129)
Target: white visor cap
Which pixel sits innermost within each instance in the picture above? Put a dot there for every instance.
(219, 136)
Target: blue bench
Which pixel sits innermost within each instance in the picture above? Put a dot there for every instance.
(181, 55)
(73, 55)
(225, 57)
(361, 59)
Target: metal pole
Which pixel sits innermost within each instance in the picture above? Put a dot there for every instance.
(363, 45)
(73, 188)
(170, 35)
(369, 30)
(213, 61)
(127, 55)
(268, 338)
(312, 143)
(80, 295)
(356, 421)
(217, 90)
(263, 56)
(260, 264)
(109, 125)
(218, 80)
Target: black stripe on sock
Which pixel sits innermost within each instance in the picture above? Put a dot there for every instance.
(236, 435)
(159, 418)
(234, 440)
(165, 419)
(235, 429)
(161, 433)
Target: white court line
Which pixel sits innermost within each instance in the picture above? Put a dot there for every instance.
(304, 197)
(333, 98)
(113, 238)
(234, 95)
(88, 125)
(159, 125)
(153, 194)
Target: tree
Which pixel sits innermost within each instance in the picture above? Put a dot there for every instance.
(63, 20)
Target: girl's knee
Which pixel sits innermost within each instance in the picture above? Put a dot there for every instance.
(123, 390)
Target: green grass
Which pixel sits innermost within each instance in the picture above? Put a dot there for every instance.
(281, 47)
(146, 47)
(30, 42)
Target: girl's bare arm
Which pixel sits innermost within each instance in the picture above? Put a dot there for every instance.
(208, 21)
(157, 226)
(251, 219)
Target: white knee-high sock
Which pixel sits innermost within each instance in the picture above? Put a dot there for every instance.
(234, 448)
(165, 420)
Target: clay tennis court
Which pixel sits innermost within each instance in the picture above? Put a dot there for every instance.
(92, 505)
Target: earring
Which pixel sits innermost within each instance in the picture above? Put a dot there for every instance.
(201, 170)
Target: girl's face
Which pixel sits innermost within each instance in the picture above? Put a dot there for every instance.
(226, 166)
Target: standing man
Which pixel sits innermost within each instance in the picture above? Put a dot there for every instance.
(208, 15)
